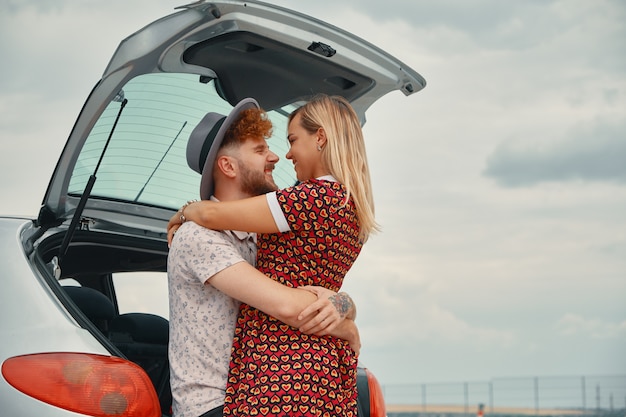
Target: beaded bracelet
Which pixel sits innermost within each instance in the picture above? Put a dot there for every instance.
(183, 219)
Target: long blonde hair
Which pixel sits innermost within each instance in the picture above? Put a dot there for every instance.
(344, 153)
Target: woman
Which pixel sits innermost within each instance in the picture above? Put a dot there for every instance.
(310, 234)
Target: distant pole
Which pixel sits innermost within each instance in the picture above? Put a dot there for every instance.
(491, 396)
(598, 397)
(536, 395)
(466, 398)
(584, 394)
(424, 397)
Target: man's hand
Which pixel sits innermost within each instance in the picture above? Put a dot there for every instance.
(324, 315)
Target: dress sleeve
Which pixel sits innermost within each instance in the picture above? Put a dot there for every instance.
(277, 212)
(306, 206)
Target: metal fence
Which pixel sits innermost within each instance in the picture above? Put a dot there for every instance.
(583, 395)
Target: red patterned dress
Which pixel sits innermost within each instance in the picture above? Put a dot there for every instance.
(275, 369)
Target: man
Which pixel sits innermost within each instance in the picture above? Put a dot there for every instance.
(210, 270)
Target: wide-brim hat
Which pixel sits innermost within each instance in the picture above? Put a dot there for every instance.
(206, 139)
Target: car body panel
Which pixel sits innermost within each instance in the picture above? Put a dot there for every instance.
(44, 325)
(250, 29)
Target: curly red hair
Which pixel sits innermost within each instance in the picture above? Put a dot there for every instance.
(251, 123)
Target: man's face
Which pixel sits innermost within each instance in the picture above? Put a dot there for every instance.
(256, 166)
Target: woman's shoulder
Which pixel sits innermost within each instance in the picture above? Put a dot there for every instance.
(318, 186)
(331, 186)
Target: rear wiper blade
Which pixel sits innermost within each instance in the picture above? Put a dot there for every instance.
(159, 163)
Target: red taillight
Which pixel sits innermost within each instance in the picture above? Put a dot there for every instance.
(96, 385)
(377, 400)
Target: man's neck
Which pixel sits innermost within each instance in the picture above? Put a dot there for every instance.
(229, 194)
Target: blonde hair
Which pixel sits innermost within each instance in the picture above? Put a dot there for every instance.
(344, 153)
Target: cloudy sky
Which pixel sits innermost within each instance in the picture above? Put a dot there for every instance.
(501, 187)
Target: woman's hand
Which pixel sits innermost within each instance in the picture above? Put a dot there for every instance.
(172, 226)
(171, 231)
(176, 221)
(355, 342)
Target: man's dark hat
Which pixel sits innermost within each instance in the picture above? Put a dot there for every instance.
(205, 141)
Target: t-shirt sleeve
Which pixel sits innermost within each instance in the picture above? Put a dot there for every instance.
(209, 252)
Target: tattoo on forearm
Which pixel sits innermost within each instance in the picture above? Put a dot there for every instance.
(342, 303)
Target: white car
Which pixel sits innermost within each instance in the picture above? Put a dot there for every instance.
(66, 350)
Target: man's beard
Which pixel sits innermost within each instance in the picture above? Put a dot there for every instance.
(255, 182)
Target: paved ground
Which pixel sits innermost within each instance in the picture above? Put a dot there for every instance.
(450, 409)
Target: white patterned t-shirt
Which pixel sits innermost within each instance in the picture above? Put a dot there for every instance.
(202, 318)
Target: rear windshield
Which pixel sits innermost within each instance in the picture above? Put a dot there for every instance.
(145, 160)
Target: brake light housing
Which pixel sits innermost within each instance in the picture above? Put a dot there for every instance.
(377, 399)
(97, 385)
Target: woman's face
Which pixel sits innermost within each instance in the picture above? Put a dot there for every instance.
(303, 151)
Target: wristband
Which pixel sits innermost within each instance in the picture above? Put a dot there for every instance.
(183, 219)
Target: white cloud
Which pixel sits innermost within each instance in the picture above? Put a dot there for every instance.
(590, 154)
(575, 325)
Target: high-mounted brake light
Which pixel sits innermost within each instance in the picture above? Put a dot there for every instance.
(97, 385)
(377, 400)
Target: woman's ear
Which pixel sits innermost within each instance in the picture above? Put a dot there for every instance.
(227, 165)
(321, 137)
